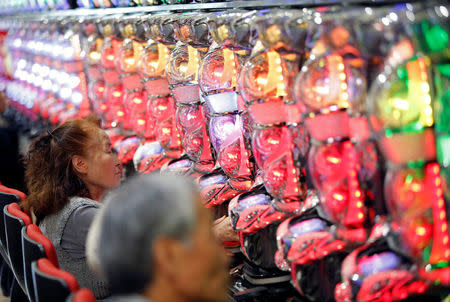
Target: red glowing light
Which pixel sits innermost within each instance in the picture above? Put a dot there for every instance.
(229, 157)
(355, 214)
(166, 131)
(440, 227)
(337, 200)
(333, 160)
(162, 107)
(328, 165)
(421, 231)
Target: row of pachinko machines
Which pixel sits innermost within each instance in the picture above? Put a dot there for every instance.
(18, 6)
(323, 133)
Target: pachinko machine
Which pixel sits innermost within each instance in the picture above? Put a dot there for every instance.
(317, 132)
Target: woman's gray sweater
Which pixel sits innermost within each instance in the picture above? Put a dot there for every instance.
(53, 227)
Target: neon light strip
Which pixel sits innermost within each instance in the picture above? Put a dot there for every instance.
(440, 251)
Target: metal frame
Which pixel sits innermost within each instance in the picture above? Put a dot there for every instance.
(206, 6)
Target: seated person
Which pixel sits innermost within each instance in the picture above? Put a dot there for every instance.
(68, 172)
(156, 243)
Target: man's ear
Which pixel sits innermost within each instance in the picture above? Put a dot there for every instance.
(79, 164)
(168, 256)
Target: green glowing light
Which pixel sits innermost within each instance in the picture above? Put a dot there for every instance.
(435, 36)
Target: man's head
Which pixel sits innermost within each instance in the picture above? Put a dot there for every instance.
(155, 232)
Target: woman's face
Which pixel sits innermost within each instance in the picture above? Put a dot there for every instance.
(104, 169)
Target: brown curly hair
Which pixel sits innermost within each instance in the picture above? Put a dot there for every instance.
(50, 176)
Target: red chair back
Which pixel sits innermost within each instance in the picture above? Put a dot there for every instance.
(15, 210)
(21, 195)
(35, 246)
(82, 295)
(15, 220)
(34, 233)
(52, 283)
(5, 199)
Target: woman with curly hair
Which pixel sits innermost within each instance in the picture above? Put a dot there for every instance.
(68, 172)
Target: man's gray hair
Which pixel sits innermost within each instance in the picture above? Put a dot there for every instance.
(136, 214)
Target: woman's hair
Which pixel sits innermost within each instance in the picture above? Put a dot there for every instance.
(50, 176)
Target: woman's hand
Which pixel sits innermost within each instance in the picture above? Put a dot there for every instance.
(223, 230)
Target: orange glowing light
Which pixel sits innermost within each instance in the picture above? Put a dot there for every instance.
(276, 173)
(140, 122)
(338, 196)
(217, 74)
(344, 96)
(137, 101)
(436, 169)
(421, 231)
(117, 94)
(101, 89)
(233, 156)
(162, 107)
(437, 181)
(415, 187)
(273, 141)
(94, 55)
(333, 159)
(130, 61)
(110, 57)
(261, 81)
(120, 113)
